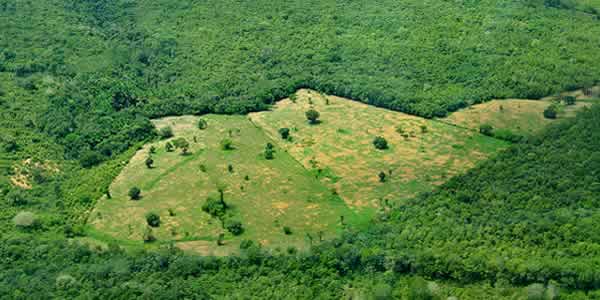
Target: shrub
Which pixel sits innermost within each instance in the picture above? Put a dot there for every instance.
(287, 230)
(535, 291)
(165, 132)
(284, 132)
(26, 220)
(569, 100)
(16, 197)
(226, 144)
(269, 151)
(312, 116)
(245, 244)
(235, 227)
(202, 124)
(134, 193)
(550, 112)
(153, 219)
(149, 162)
(380, 143)
(381, 176)
(65, 282)
(169, 147)
(183, 144)
(486, 129)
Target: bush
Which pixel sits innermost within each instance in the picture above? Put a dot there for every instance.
(535, 291)
(380, 143)
(550, 112)
(235, 227)
(165, 132)
(486, 129)
(153, 219)
(134, 193)
(26, 220)
(202, 124)
(16, 197)
(148, 236)
(284, 132)
(245, 244)
(169, 147)
(569, 100)
(312, 116)
(65, 282)
(226, 144)
(287, 230)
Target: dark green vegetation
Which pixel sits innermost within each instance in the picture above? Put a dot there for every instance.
(79, 81)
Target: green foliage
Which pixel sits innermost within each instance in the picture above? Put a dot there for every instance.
(26, 220)
(214, 207)
(169, 147)
(149, 162)
(381, 176)
(183, 144)
(148, 235)
(486, 129)
(269, 151)
(569, 100)
(551, 112)
(134, 193)
(165, 132)
(287, 230)
(380, 143)
(234, 226)
(284, 133)
(202, 124)
(153, 219)
(312, 116)
(227, 144)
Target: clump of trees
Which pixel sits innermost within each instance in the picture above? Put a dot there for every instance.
(183, 144)
(234, 226)
(380, 143)
(165, 132)
(551, 112)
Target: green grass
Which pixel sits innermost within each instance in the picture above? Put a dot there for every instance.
(278, 192)
(341, 148)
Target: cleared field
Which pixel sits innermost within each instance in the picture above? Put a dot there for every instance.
(519, 116)
(340, 152)
(265, 195)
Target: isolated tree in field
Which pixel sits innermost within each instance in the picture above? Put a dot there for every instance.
(380, 143)
(381, 176)
(149, 162)
(284, 132)
(550, 112)
(183, 144)
(226, 144)
(152, 150)
(214, 207)
(165, 132)
(312, 116)
(202, 124)
(235, 227)
(135, 193)
(486, 129)
(287, 230)
(153, 219)
(169, 147)
(569, 100)
(230, 168)
(220, 239)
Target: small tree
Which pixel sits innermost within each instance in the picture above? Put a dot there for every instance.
(134, 193)
(226, 144)
(287, 230)
(284, 132)
(312, 116)
(381, 176)
(183, 144)
(486, 129)
(550, 112)
(149, 162)
(153, 219)
(269, 151)
(380, 143)
(220, 239)
(165, 132)
(202, 124)
(152, 150)
(169, 147)
(230, 168)
(214, 207)
(235, 227)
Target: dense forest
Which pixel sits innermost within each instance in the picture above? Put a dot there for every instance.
(80, 80)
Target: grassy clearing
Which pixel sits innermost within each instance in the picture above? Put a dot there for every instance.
(274, 194)
(339, 150)
(520, 116)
